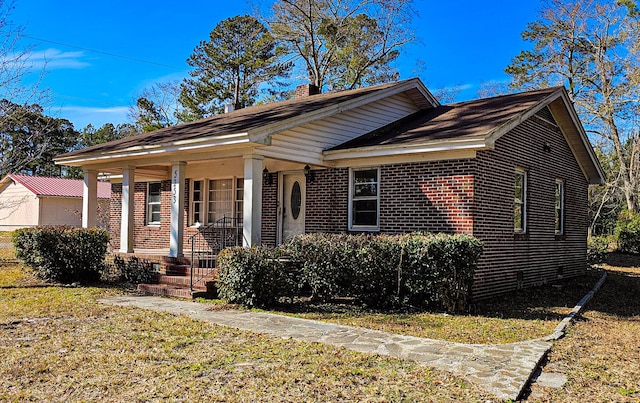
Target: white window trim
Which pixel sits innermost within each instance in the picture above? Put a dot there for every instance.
(370, 228)
(205, 198)
(560, 182)
(149, 204)
(523, 230)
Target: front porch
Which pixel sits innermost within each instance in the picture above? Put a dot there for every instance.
(192, 275)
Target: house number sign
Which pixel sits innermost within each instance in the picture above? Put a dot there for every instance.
(174, 186)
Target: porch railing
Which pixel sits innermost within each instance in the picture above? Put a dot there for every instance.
(208, 242)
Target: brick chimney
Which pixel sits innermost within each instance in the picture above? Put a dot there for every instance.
(306, 90)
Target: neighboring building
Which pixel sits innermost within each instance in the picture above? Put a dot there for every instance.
(29, 201)
(512, 170)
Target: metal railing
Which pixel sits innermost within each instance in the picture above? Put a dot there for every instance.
(208, 242)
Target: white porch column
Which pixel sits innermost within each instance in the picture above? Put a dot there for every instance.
(252, 212)
(90, 199)
(176, 247)
(126, 220)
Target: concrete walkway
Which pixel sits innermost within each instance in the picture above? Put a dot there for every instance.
(504, 370)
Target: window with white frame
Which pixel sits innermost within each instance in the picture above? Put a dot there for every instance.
(197, 202)
(220, 200)
(364, 203)
(153, 203)
(214, 199)
(559, 202)
(520, 202)
(239, 198)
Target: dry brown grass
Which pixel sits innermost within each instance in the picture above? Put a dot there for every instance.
(524, 315)
(6, 247)
(59, 344)
(601, 352)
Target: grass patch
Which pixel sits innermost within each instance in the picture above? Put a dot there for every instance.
(523, 315)
(601, 351)
(59, 344)
(6, 247)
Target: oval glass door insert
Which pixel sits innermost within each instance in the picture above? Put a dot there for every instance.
(296, 200)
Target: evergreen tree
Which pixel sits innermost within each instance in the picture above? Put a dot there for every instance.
(229, 68)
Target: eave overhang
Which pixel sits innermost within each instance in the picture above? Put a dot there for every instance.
(258, 136)
(434, 146)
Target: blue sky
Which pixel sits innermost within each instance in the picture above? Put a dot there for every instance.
(462, 43)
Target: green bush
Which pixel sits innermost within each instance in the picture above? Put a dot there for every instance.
(438, 270)
(628, 233)
(325, 263)
(597, 247)
(252, 276)
(384, 270)
(376, 267)
(378, 270)
(63, 254)
(129, 270)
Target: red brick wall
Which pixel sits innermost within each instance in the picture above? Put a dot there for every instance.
(115, 214)
(144, 236)
(327, 200)
(270, 211)
(430, 196)
(539, 254)
(158, 237)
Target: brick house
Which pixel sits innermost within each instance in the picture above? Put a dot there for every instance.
(512, 170)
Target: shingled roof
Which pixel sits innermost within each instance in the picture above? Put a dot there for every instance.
(465, 119)
(239, 121)
(55, 187)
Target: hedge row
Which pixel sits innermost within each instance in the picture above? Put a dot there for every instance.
(63, 254)
(380, 271)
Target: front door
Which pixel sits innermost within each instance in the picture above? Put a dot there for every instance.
(293, 201)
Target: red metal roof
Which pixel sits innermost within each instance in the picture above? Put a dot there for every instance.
(58, 187)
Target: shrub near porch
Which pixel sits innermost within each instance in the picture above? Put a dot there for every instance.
(380, 271)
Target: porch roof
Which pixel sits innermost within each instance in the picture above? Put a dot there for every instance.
(253, 124)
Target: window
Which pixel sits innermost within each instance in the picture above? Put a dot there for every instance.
(520, 202)
(559, 224)
(239, 197)
(214, 199)
(220, 199)
(197, 202)
(153, 203)
(364, 192)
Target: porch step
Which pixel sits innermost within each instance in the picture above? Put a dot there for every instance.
(184, 280)
(178, 291)
(185, 271)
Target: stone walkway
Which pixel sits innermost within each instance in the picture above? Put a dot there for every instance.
(503, 369)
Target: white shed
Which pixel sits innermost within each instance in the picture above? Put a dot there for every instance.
(29, 201)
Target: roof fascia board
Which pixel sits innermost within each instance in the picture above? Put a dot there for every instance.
(584, 138)
(153, 151)
(498, 132)
(166, 148)
(407, 158)
(261, 134)
(476, 144)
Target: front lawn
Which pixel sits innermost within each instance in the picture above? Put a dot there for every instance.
(59, 344)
